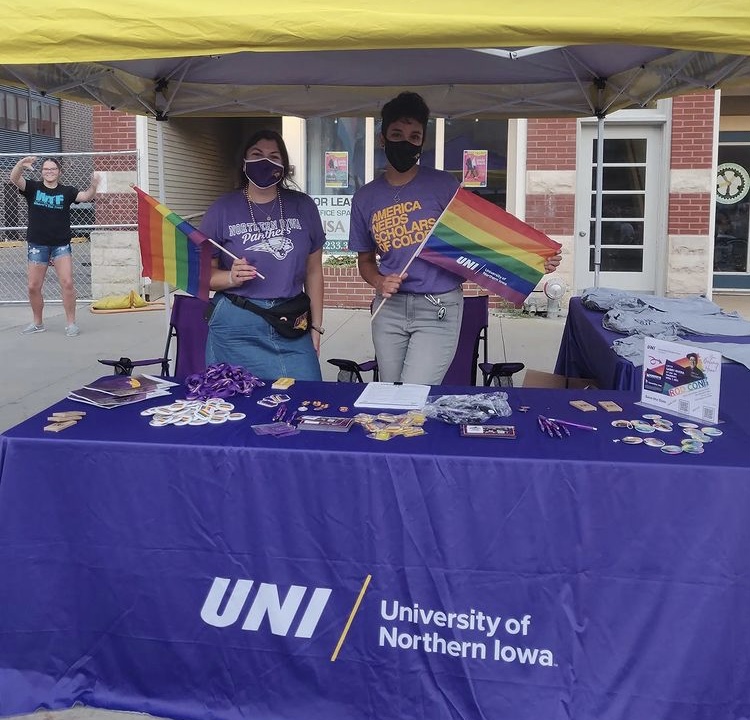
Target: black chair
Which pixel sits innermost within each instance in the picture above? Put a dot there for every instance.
(189, 328)
(350, 371)
(472, 340)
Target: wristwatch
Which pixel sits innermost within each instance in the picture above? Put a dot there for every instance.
(319, 330)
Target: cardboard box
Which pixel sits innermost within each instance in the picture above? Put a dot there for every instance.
(539, 379)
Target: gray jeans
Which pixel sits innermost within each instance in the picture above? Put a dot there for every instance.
(413, 343)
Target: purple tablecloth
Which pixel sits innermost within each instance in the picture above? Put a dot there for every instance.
(586, 351)
(207, 572)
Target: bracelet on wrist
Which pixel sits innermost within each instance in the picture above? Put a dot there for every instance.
(319, 330)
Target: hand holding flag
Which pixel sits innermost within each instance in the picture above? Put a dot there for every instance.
(172, 250)
(485, 244)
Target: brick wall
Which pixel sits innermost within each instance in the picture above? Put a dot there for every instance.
(692, 146)
(689, 262)
(550, 184)
(551, 144)
(345, 289)
(114, 131)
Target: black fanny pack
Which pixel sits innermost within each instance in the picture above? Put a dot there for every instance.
(291, 319)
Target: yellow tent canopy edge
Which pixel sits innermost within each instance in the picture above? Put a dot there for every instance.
(47, 31)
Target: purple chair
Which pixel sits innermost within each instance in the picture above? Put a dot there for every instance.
(463, 368)
(472, 337)
(188, 326)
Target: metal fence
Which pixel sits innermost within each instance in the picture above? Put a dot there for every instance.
(110, 209)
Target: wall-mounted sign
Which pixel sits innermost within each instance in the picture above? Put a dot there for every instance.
(732, 183)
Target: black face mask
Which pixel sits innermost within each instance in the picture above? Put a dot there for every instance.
(402, 154)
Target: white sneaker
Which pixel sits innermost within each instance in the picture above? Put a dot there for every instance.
(72, 330)
(33, 328)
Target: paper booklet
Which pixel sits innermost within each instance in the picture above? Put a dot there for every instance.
(105, 400)
(399, 396)
(123, 385)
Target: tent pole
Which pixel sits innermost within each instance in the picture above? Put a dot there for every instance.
(598, 198)
(160, 174)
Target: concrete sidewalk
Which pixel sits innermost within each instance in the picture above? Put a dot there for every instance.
(41, 369)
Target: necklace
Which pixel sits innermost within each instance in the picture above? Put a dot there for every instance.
(397, 189)
(250, 204)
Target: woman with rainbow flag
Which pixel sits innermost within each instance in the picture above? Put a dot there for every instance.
(276, 238)
(415, 333)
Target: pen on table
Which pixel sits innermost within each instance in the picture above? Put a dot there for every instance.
(572, 424)
(544, 426)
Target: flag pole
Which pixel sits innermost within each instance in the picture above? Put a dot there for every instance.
(232, 255)
(416, 252)
(213, 242)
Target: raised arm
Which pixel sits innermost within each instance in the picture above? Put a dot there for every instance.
(16, 174)
(90, 192)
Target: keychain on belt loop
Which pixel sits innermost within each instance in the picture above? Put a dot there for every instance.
(438, 303)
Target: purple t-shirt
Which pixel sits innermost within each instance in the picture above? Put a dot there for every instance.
(280, 254)
(393, 221)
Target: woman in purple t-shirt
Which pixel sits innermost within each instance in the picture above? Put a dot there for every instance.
(415, 331)
(277, 236)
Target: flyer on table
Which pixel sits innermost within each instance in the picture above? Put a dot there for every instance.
(681, 379)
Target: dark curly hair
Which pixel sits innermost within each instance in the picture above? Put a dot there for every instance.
(405, 105)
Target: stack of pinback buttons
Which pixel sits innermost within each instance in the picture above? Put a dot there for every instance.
(213, 411)
(693, 444)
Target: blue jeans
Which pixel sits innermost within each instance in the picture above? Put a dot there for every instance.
(412, 343)
(240, 337)
(42, 254)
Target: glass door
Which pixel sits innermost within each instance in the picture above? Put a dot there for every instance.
(731, 229)
(631, 195)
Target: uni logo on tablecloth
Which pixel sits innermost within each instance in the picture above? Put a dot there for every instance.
(299, 604)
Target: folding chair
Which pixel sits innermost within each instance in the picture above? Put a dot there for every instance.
(188, 326)
(463, 368)
(473, 336)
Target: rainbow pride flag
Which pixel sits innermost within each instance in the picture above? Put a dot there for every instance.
(482, 243)
(172, 249)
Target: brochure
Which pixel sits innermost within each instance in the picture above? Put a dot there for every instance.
(105, 400)
(123, 385)
(681, 379)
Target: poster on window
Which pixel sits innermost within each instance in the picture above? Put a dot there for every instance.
(475, 168)
(681, 379)
(335, 211)
(337, 169)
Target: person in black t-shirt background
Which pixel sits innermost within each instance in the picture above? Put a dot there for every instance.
(49, 235)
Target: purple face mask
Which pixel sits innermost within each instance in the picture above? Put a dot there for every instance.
(263, 173)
